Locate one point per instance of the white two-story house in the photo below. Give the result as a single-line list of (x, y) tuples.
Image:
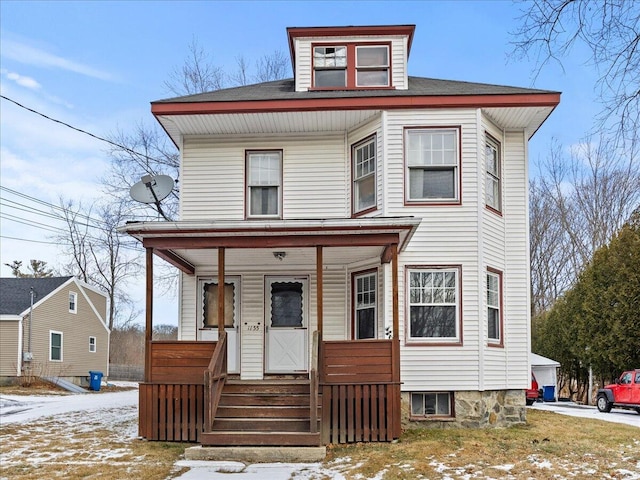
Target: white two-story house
[(371, 232)]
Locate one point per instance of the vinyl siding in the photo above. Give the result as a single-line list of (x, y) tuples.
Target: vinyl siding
[(9, 351), (314, 172), (54, 315), (99, 301)]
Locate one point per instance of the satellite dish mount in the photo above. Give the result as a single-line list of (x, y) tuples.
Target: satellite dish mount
[(152, 189)]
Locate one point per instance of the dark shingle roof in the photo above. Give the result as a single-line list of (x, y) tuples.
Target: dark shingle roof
[(284, 90), (15, 295)]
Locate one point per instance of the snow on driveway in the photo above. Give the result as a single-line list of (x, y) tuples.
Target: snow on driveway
[(627, 417)]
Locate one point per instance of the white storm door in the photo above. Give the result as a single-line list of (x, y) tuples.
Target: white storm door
[(286, 312), (209, 317)]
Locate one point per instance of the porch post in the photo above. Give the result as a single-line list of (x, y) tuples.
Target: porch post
[(319, 289), (396, 423), (220, 290), (394, 295), (148, 330)]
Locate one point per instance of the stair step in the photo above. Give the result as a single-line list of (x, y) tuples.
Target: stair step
[(273, 438), (273, 387), (271, 411), (261, 424), (255, 400)]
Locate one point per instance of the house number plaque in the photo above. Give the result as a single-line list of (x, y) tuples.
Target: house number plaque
[(252, 327)]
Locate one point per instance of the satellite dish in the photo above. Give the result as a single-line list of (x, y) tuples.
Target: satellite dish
[(152, 189)]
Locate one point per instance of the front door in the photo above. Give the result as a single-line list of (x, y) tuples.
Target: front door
[(286, 312)]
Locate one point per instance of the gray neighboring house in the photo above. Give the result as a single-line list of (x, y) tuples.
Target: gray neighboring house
[(68, 335)]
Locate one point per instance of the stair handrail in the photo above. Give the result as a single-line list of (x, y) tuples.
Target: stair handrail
[(313, 384), (214, 379)]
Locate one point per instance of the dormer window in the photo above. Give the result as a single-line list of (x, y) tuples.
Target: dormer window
[(351, 66)]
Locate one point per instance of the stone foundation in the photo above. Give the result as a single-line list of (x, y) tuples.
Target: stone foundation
[(488, 409)]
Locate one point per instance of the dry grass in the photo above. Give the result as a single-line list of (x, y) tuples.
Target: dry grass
[(104, 446), (550, 446)]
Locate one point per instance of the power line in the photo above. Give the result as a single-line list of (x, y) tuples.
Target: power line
[(97, 137)]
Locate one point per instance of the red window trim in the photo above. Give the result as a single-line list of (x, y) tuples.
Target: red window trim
[(355, 145), (491, 139), (247, 207), (407, 315), (493, 342), (353, 301), (351, 65), (437, 203)]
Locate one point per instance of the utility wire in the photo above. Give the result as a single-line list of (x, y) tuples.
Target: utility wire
[(97, 137)]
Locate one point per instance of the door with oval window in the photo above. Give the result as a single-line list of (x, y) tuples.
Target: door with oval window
[(286, 312)]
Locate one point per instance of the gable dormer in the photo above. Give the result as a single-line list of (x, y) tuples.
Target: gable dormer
[(350, 58)]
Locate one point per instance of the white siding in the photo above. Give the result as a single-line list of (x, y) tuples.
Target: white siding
[(188, 307), (213, 176)]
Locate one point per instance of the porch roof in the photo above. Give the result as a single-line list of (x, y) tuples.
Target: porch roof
[(184, 243)]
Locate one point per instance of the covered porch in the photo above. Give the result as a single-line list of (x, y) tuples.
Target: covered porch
[(241, 382)]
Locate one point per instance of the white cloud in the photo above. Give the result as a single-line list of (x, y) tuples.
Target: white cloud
[(29, 55), (22, 80)]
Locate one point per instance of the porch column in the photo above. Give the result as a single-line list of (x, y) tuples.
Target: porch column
[(148, 330), (394, 295), (396, 425), (319, 288), (220, 290)]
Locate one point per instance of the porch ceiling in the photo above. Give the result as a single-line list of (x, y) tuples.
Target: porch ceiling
[(191, 245)]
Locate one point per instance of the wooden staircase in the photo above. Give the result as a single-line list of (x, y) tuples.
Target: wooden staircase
[(263, 413)]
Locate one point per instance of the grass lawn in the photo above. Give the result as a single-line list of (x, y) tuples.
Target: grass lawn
[(550, 446)]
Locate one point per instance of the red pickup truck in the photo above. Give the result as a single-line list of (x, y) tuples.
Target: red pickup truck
[(625, 393)]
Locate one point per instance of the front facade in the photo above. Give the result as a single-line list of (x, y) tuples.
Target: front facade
[(63, 334), (358, 205)]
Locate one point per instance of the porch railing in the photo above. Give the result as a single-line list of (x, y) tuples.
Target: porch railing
[(313, 384), (172, 402), (360, 391), (214, 378)]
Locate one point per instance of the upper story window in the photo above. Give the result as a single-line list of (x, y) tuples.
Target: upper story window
[(55, 346), (493, 174), (433, 165), (364, 175), (264, 184), (92, 344), (73, 302), (351, 66)]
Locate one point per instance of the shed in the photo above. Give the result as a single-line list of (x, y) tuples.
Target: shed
[(545, 370)]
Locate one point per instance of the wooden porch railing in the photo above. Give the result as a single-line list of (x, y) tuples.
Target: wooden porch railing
[(214, 378), (172, 402), (313, 384), (360, 391)]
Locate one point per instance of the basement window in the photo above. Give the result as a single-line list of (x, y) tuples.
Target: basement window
[(431, 404)]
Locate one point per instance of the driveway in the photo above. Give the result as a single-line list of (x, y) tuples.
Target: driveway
[(627, 417)]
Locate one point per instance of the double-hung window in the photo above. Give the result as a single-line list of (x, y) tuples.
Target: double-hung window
[(55, 346), (364, 305), (494, 307), (432, 165), (350, 65), (73, 302), (330, 66), (364, 175), (493, 179), (264, 184), (372, 66), (434, 305), (92, 344)]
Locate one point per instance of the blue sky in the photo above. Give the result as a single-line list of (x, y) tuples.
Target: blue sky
[(97, 65)]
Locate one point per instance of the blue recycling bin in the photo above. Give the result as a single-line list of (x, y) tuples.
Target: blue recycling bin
[(95, 379), (549, 393)]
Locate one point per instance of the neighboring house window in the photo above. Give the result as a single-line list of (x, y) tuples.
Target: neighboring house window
[(264, 184), (364, 305), (434, 309), (432, 165), (351, 66), (73, 302), (494, 307), (92, 344), (494, 184), (431, 404), (55, 346), (364, 175)]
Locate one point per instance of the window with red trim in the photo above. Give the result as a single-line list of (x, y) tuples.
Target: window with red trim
[(351, 66)]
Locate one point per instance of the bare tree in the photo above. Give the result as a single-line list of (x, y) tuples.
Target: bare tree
[(274, 66), (99, 255), (582, 199), (197, 74), (549, 29)]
